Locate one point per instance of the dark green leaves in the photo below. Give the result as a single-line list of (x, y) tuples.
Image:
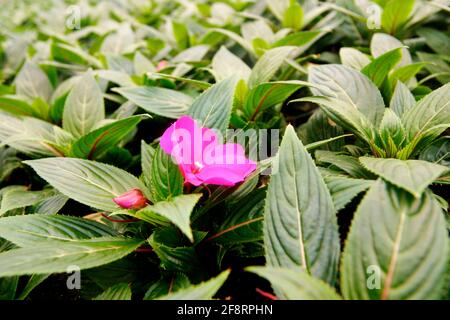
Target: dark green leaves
[(57, 257), (213, 107), (95, 143), (300, 224), (397, 247), (166, 178), (30, 230), (292, 284), (411, 175), (84, 107), (163, 102), (92, 183)]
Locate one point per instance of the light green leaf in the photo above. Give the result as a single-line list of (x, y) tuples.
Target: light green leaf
[(91, 183), (411, 175), (343, 189), (98, 141), (84, 106), (213, 107), (379, 68), (202, 291), (163, 102), (147, 154), (58, 256), (350, 87), (269, 94), (395, 14), (430, 116), (291, 284), (382, 43), (37, 229), (120, 291), (225, 64), (402, 99), (293, 16), (300, 223), (32, 82), (18, 106), (22, 198), (33, 282), (266, 67), (177, 210), (436, 40), (397, 248), (166, 178), (353, 58), (300, 39)]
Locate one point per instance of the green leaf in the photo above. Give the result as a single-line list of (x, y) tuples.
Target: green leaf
[(436, 40), (22, 198), (117, 77), (91, 183), (163, 102), (395, 14), (166, 178), (397, 247), (167, 285), (244, 221), (57, 257), (402, 99), (269, 94), (51, 205), (411, 175), (351, 87), (266, 67), (213, 107), (147, 154), (225, 64), (32, 82), (300, 223), (36, 229), (293, 16), (177, 210), (291, 284), (437, 152), (346, 163), (17, 106), (33, 282), (8, 287), (175, 252), (97, 142), (353, 58), (406, 73), (382, 43), (430, 116), (343, 189), (84, 106), (120, 291), (301, 38), (202, 291), (379, 68)]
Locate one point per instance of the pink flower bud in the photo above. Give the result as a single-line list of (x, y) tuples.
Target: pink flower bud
[(161, 65), (133, 199)]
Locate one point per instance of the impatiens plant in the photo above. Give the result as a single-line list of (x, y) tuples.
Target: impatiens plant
[(224, 149)]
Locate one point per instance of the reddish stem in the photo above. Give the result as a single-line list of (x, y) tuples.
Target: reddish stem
[(266, 294), (145, 250)]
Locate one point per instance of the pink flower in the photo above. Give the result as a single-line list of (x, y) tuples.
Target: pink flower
[(133, 199), (200, 157), (161, 65)]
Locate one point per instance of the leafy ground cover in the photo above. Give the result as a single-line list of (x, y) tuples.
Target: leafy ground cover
[(333, 116)]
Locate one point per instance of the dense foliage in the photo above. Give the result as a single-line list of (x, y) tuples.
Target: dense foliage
[(353, 97)]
